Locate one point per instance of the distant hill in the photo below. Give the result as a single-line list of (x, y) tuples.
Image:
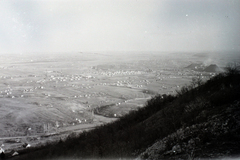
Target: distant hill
[(198, 122), (202, 68), (212, 68), (201, 55), (196, 67)]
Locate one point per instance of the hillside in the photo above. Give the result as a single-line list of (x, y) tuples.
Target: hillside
[(201, 121)]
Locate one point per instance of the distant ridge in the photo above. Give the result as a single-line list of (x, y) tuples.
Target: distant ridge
[(201, 55), (202, 68), (196, 67)]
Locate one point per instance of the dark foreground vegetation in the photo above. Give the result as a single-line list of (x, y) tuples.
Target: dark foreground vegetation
[(194, 105)]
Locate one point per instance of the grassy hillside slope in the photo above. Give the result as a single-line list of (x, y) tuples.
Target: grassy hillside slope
[(202, 116)]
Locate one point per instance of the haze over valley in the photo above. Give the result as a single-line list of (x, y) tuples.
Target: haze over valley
[(57, 94)]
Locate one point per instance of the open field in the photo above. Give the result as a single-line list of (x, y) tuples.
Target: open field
[(56, 94)]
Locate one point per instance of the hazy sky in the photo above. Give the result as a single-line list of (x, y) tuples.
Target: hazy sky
[(119, 25)]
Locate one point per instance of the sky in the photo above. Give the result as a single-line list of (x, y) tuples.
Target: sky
[(119, 25)]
